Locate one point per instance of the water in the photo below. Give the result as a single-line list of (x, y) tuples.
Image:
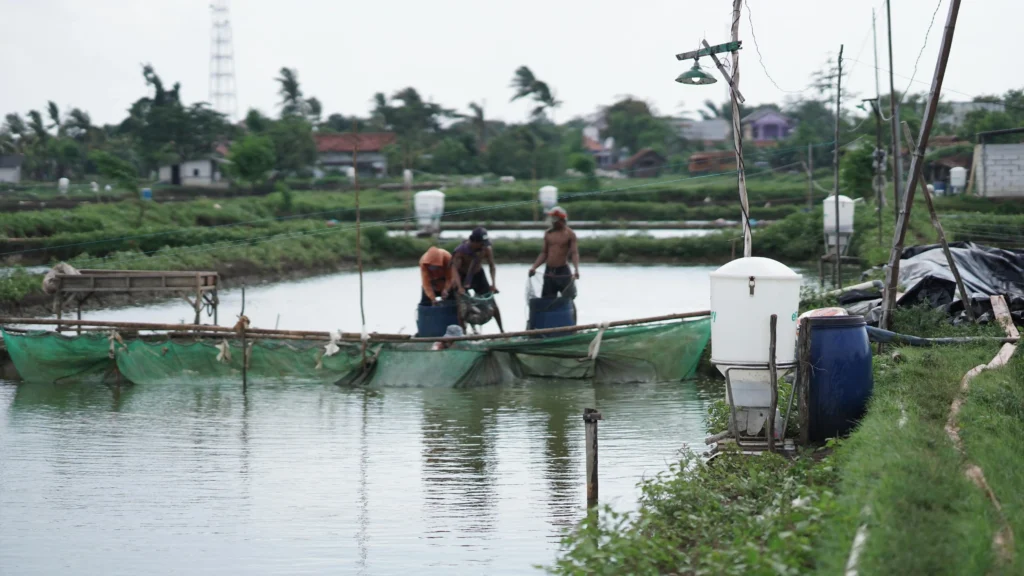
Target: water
[(305, 479), (390, 297)]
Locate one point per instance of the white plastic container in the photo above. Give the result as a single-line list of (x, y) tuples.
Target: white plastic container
[(429, 207), (845, 214), (958, 177), (744, 295), (548, 196), (62, 185)]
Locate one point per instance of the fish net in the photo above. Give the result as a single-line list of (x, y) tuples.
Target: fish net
[(663, 352)]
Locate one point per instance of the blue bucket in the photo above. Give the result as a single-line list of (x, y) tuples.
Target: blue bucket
[(841, 377), (433, 321), (551, 313)]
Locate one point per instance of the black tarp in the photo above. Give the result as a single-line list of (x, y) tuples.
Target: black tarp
[(926, 278)]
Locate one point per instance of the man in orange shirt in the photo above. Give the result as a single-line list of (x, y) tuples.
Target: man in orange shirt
[(437, 276)]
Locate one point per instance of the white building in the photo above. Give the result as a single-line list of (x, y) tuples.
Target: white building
[(205, 173), (10, 168)]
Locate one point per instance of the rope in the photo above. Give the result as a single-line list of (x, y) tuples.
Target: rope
[(595, 345)]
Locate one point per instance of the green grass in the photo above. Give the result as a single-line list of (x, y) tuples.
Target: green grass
[(898, 472), (992, 427), (739, 515)]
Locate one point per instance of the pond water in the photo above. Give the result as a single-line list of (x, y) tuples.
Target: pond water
[(199, 478)]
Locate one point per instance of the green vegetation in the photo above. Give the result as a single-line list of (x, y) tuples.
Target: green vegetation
[(898, 474)]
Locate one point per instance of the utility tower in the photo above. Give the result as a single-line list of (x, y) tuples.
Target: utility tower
[(222, 62)]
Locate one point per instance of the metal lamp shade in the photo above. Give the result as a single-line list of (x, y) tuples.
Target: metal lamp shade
[(696, 77)]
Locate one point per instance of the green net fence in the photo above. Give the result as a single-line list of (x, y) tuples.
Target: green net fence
[(664, 352)]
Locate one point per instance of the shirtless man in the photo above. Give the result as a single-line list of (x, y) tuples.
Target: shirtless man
[(467, 263), (559, 245)]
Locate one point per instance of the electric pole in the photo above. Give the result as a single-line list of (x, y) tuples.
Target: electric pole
[(894, 120), (835, 167), (737, 129)]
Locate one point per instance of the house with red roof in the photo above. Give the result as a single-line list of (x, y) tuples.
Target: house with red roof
[(335, 151)]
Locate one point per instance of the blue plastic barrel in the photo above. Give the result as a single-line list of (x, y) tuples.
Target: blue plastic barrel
[(433, 321), (146, 194), (551, 313), (841, 377)]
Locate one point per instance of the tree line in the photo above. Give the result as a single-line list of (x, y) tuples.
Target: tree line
[(160, 129)]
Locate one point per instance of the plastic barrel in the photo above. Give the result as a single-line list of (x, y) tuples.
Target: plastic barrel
[(433, 321), (551, 313), (841, 377)]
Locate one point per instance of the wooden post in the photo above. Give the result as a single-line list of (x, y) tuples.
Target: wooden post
[(892, 121), (355, 156), (938, 229), (774, 387), (359, 250), (810, 177), (590, 418), (802, 385), (836, 266), (889, 296), (245, 356), (199, 299), (737, 130)]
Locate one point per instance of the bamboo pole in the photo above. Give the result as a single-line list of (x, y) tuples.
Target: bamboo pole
[(222, 331), (905, 207), (938, 229), (737, 130), (837, 271)]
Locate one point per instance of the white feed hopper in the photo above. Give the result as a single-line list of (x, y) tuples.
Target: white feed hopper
[(429, 207), (744, 295), (62, 185), (407, 177), (548, 196), (846, 209), (845, 214), (958, 178)]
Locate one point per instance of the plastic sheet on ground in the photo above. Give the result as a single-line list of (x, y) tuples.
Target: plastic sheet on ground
[(926, 278)]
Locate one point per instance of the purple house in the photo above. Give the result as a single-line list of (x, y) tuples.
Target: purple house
[(765, 125)]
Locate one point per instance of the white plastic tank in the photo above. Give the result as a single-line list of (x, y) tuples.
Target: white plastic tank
[(744, 295), (548, 196), (62, 185), (407, 177), (429, 207), (94, 186), (845, 214), (958, 177)]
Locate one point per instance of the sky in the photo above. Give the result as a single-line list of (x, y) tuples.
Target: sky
[(89, 53)]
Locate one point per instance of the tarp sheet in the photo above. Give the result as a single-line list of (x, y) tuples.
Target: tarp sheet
[(926, 278)]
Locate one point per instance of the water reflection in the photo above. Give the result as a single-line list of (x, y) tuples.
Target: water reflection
[(200, 478)]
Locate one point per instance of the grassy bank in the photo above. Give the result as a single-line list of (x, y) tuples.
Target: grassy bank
[(898, 475)]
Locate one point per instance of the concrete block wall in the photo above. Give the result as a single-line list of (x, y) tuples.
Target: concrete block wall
[(1001, 171)]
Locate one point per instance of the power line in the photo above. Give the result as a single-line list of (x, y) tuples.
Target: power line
[(760, 57), (921, 52)]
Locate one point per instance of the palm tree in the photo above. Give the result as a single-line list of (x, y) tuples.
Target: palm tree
[(36, 124), (79, 124), (526, 84), (54, 113), (480, 123), (290, 92)]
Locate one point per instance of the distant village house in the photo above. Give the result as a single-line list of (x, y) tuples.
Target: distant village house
[(644, 164), (204, 172), (10, 168), (335, 151), (766, 125)]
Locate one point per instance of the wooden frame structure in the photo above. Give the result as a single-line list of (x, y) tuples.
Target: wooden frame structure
[(199, 289)]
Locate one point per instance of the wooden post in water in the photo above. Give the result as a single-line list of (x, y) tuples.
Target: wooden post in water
[(242, 321), (359, 235), (774, 387), (590, 418)]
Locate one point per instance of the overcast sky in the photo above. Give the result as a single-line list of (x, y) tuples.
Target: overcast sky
[(88, 53)]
